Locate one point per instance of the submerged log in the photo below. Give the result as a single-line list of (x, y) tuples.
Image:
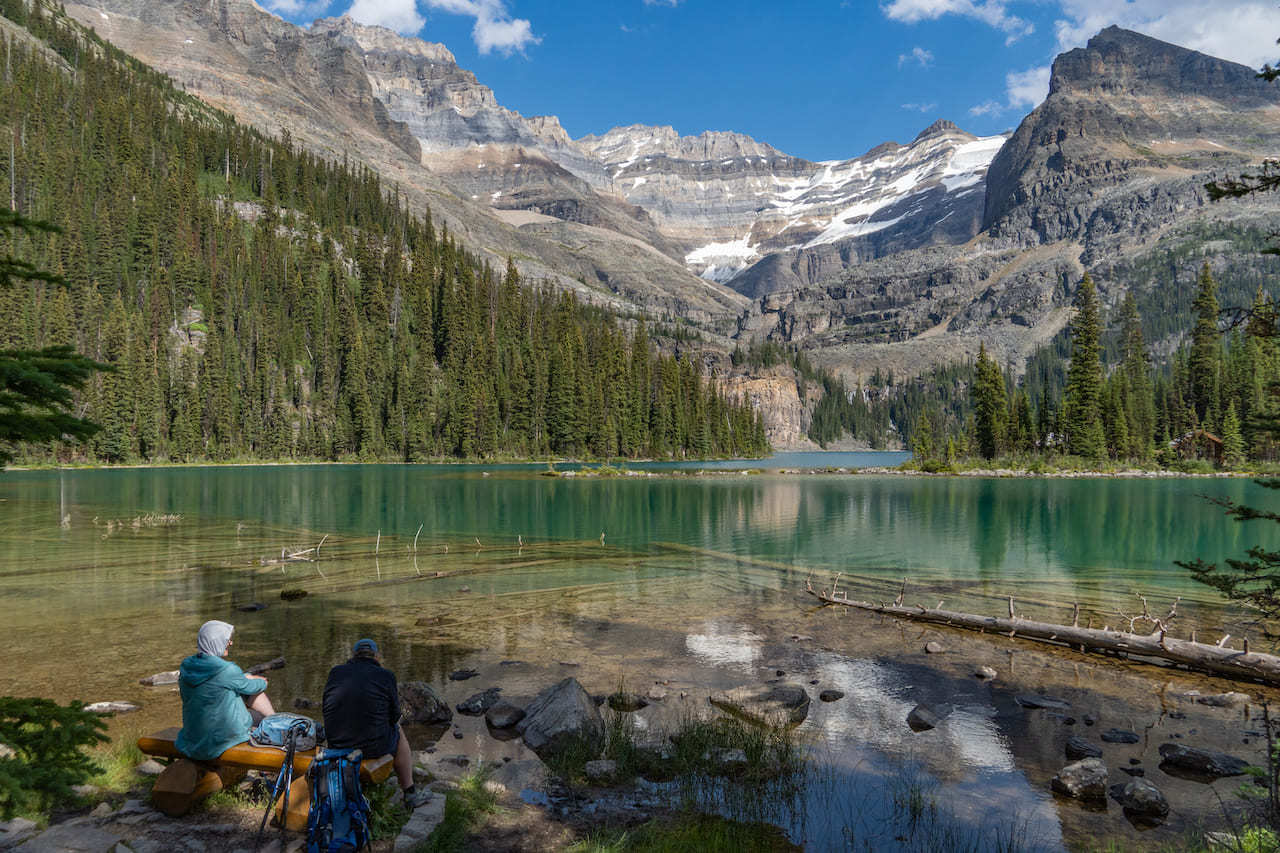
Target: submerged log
[(1217, 659)]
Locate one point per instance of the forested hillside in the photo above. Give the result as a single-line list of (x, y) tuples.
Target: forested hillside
[(259, 302)]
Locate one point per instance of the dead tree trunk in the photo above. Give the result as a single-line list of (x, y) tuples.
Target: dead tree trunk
[(1219, 659)]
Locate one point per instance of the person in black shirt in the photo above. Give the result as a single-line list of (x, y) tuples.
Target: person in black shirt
[(362, 711)]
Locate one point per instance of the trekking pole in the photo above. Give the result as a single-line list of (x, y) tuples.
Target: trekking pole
[(285, 776)]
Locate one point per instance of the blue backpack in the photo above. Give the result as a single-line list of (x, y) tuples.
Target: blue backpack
[(339, 819), (278, 729)]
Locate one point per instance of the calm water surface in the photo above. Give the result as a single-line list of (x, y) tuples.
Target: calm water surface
[(104, 576)]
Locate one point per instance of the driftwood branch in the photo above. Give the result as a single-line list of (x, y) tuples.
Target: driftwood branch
[(1219, 658)]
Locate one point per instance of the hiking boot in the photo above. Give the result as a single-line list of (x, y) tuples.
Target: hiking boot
[(416, 797)]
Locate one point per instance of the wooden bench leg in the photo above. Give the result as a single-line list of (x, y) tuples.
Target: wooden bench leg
[(299, 805), (183, 784)]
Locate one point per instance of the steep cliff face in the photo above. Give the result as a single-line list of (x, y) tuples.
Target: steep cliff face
[(331, 88), (1130, 132), (444, 106), (734, 202)]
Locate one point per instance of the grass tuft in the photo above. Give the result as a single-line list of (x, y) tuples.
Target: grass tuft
[(690, 831), (464, 810)]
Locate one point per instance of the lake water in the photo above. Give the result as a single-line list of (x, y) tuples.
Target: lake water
[(695, 580)]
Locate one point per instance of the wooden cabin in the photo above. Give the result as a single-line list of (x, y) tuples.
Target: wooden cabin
[(1200, 444)]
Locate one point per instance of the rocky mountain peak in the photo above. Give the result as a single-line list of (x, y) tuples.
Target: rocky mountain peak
[(1125, 110), (1122, 62), (370, 39), (940, 127), (638, 140)]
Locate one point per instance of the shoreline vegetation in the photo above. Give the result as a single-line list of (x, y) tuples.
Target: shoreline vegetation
[(1002, 467)]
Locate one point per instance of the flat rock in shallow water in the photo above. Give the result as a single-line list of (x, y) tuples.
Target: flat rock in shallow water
[(111, 707), (478, 703), (159, 678), (1202, 762), (986, 673), (924, 717), (1078, 748), (831, 695), (1035, 700), (779, 705), (1120, 736), (462, 674), (504, 715), (1084, 780)]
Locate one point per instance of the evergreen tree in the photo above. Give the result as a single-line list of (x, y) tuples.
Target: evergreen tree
[(922, 445), (1082, 403), (1138, 393), (989, 404), (1202, 366), (1232, 439)]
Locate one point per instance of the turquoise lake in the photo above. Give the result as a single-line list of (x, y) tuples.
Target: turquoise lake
[(663, 573)]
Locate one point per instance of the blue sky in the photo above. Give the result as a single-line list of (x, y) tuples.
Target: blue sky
[(820, 79)]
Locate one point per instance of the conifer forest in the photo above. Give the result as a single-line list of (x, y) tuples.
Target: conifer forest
[(258, 302)]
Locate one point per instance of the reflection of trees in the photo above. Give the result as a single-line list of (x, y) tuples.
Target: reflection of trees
[(990, 527), (1101, 531)]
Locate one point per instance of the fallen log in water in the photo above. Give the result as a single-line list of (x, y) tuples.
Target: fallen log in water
[(1218, 659)]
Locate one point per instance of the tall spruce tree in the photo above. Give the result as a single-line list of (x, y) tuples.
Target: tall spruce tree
[(1135, 367), (1206, 346), (989, 404), (1082, 398)]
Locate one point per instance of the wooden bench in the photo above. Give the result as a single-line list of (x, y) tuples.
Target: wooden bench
[(185, 782)]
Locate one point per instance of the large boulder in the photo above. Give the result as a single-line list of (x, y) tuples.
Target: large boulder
[(558, 714), (1084, 780), (1142, 799), (1200, 762), (778, 705), (420, 704)]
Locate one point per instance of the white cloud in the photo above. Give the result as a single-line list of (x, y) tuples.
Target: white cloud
[(917, 54), (994, 13), (671, 3), (920, 108), (1023, 89), (1027, 88), (399, 15), (1243, 31), (495, 29)]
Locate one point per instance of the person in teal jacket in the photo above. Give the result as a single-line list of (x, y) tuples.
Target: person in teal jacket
[(220, 703)]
